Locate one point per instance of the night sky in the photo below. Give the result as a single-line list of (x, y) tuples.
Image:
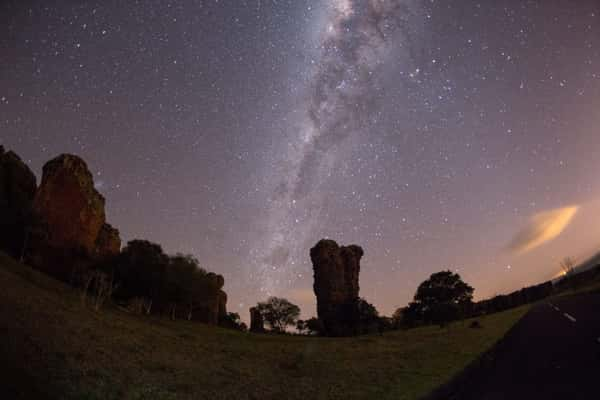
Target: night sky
[(435, 134)]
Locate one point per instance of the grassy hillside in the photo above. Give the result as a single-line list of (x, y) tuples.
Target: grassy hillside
[(52, 347)]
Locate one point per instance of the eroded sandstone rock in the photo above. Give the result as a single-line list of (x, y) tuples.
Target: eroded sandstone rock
[(212, 308), (257, 324), (71, 217), (69, 204), (222, 310), (108, 241), (336, 271)]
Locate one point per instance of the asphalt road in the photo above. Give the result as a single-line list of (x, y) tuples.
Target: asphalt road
[(552, 353)]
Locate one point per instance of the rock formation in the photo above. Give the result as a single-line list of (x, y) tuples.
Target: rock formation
[(17, 190), (213, 307), (71, 214), (222, 308), (108, 241), (68, 202), (257, 324), (336, 271)]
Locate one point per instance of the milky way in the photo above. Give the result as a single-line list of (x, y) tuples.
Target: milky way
[(342, 100), (434, 134)]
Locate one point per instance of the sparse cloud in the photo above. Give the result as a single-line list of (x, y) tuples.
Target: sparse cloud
[(543, 227)]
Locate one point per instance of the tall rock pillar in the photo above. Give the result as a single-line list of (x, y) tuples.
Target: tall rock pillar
[(336, 271)]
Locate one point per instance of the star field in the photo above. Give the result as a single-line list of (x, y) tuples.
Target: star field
[(428, 132)]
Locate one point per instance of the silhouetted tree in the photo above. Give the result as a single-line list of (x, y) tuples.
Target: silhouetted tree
[(567, 265), (314, 326), (368, 316), (187, 285), (385, 324), (301, 326), (279, 313), (233, 321), (398, 318), (311, 326), (141, 269), (441, 298), (412, 315), (514, 299), (153, 281)]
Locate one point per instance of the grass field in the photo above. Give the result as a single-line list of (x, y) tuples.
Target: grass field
[(53, 347)]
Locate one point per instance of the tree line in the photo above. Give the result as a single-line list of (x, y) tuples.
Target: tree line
[(145, 280), (442, 298)]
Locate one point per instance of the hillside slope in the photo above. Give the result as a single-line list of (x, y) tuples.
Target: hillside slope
[(53, 347)]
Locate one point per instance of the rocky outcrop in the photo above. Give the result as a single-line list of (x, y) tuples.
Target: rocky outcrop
[(336, 271), (219, 308), (70, 205), (108, 241), (213, 307), (71, 216), (222, 301), (17, 190), (257, 324)]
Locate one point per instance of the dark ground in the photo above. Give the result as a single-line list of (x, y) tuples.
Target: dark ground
[(54, 347), (552, 353)]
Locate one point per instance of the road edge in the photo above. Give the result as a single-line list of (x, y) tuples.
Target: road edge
[(453, 389)]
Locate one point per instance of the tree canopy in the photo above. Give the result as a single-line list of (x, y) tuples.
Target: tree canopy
[(279, 313), (174, 284), (233, 320), (441, 298)]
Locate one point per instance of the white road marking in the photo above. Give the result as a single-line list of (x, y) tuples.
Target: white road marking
[(570, 317), (553, 306)]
